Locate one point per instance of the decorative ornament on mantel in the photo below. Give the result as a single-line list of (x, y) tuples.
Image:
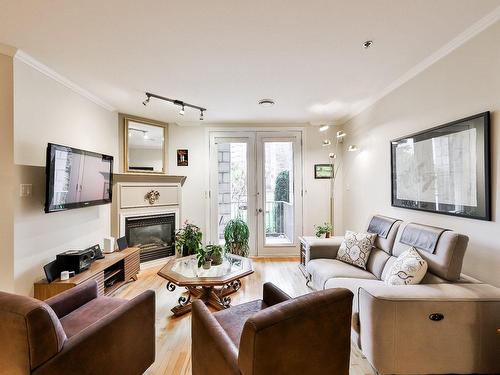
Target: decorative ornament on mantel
[(152, 196)]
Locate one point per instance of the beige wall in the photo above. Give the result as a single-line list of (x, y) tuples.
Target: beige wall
[(6, 172), (464, 83), (46, 111), (195, 204)]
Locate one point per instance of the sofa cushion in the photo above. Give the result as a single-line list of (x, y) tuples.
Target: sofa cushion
[(446, 261), (322, 270), (353, 285), (408, 269), (90, 313), (233, 320), (376, 262), (356, 248)]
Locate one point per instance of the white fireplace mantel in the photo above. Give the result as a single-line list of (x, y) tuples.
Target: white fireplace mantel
[(129, 199)]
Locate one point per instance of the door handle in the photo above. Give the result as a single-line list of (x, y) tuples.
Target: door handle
[(259, 210)]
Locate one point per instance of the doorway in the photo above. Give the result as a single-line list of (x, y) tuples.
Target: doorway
[(257, 176)]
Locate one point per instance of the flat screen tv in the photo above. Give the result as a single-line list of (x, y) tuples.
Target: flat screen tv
[(76, 178)]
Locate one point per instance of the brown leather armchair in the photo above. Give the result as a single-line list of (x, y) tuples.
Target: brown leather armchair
[(276, 335), (77, 332)]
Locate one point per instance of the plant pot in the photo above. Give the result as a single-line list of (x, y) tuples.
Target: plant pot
[(327, 235), (216, 260), (207, 264)]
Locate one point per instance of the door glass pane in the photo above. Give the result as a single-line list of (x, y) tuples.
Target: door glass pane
[(232, 184), (278, 185)]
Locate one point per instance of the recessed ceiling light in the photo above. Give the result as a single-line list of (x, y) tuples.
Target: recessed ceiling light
[(266, 102), (367, 44), (323, 128)]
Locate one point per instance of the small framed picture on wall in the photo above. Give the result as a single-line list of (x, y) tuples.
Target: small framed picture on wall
[(182, 158), (323, 171)]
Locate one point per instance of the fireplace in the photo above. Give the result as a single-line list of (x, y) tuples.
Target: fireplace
[(153, 234)]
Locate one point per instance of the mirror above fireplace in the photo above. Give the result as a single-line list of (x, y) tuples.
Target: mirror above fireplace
[(144, 145)]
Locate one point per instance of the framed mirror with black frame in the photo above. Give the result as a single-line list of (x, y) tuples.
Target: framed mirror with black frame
[(445, 169)]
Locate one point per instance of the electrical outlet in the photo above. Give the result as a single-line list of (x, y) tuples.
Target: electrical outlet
[(25, 190)]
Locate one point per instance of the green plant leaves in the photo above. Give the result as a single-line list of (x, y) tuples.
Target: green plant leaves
[(236, 235)]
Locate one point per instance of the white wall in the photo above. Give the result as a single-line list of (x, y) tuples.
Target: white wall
[(6, 171), (195, 204), (464, 83), (46, 111)]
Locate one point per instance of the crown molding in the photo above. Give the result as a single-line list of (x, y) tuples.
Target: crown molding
[(7, 50), (445, 50), (35, 64)]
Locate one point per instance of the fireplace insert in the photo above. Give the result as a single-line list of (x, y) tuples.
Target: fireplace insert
[(153, 234)]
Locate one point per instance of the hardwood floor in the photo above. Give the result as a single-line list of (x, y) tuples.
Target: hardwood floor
[(173, 345)]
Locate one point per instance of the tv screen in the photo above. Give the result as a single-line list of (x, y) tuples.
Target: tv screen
[(76, 178)]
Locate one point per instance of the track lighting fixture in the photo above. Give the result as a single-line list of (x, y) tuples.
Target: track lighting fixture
[(180, 103), (352, 148), (326, 142), (324, 128)]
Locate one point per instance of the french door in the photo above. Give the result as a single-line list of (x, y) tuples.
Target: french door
[(257, 176)]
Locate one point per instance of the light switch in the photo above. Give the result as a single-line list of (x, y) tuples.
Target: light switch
[(25, 190)]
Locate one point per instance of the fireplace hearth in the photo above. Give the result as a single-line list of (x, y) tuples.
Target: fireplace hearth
[(153, 234)]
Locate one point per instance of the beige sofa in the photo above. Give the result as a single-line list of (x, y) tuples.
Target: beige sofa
[(450, 323)]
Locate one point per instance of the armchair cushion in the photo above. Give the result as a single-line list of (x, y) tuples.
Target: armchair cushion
[(122, 342), (233, 320), (73, 298), (90, 313)]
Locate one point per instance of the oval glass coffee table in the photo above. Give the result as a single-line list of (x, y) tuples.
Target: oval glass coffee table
[(212, 286)]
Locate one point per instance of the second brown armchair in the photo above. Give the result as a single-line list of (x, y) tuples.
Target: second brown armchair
[(276, 335)]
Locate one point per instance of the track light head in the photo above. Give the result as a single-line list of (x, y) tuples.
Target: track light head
[(201, 115), (145, 102), (326, 142), (324, 128), (181, 112)]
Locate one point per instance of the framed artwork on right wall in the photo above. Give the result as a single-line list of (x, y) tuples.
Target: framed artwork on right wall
[(445, 169)]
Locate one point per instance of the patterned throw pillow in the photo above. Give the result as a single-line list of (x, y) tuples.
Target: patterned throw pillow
[(356, 248), (408, 269)]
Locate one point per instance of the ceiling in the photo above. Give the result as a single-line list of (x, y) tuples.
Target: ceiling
[(225, 55)]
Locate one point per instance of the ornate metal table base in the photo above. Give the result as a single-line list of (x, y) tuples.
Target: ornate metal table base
[(215, 296)]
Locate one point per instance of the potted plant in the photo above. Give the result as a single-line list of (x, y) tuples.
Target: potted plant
[(188, 239), (325, 229), (236, 236), (203, 257), (216, 253)]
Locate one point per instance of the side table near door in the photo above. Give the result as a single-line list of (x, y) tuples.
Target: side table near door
[(304, 248)]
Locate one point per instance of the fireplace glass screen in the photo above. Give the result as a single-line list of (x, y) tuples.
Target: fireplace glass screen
[(154, 235)]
